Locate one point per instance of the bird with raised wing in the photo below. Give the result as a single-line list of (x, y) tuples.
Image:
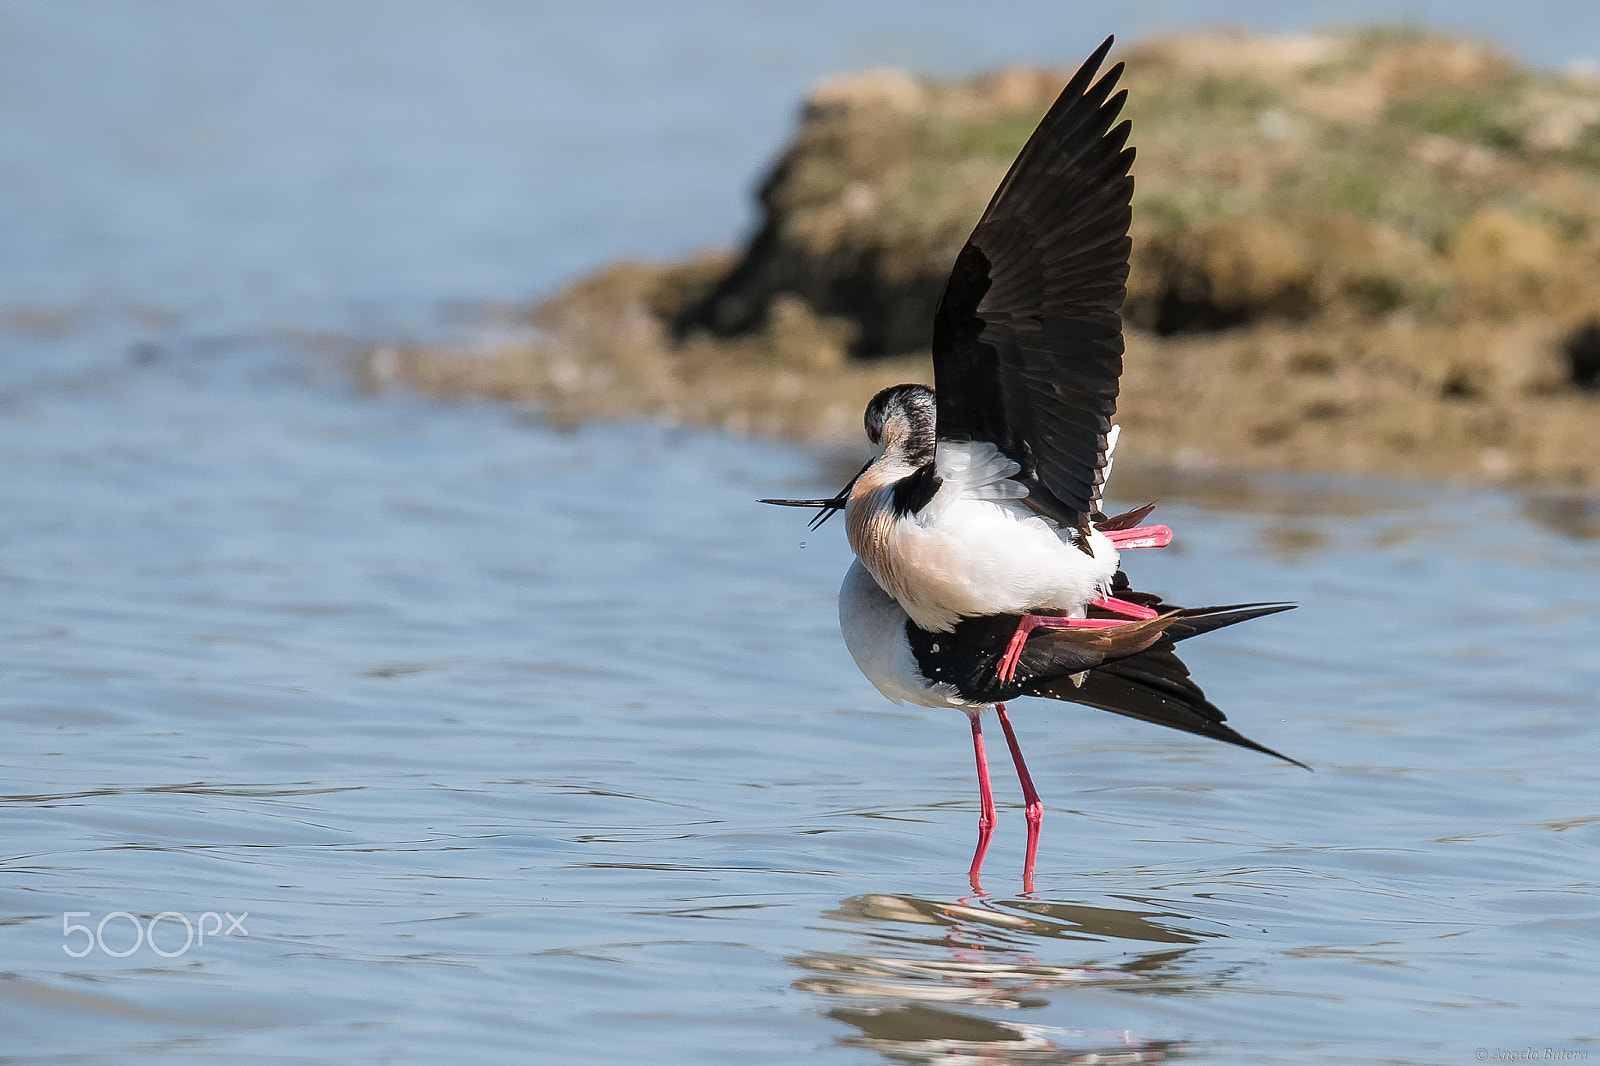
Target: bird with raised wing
[(985, 568), (982, 495)]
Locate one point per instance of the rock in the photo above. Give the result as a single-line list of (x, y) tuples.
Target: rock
[(1357, 251), (1507, 265), (1222, 273)]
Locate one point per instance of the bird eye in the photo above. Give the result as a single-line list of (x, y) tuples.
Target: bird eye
[(872, 434)]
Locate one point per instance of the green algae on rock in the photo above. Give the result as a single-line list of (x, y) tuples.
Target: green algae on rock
[(1361, 251)]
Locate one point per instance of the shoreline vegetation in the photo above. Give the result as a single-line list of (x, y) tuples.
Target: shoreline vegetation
[(1370, 251)]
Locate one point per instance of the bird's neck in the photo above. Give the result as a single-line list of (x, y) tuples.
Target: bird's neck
[(869, 515)]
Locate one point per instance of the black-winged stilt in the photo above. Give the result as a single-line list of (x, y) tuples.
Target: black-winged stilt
[(985, 569)]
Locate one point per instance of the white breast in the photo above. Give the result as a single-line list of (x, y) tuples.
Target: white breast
[(976, 549), (874, 628)]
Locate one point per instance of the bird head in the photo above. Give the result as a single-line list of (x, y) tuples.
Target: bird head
[(901, 419)]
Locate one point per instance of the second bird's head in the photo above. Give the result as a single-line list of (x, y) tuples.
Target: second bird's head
[(901, 419)]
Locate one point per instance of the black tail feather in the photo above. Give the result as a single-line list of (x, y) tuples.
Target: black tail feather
[(1155, 686), (1198, 620), (1135, 672)]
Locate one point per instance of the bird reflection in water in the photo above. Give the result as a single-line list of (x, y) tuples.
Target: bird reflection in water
[(984, 955), (917, 1034)]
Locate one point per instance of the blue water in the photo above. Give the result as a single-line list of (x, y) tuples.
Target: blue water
[(462, 736)]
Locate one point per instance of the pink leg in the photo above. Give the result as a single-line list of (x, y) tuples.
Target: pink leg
[(1034, 809), (1123, 607), (986, 811), (1006, 669), (1139, 537)]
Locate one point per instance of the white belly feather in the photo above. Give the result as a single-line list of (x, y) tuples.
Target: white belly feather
[(991, 557), (874, 629)]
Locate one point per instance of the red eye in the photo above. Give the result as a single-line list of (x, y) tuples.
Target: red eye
[(872, 434)]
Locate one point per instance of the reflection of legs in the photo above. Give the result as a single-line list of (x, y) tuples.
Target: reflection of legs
[(986, 798), (1034, 809)]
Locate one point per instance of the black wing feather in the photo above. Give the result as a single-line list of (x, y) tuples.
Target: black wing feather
[(1027, 345), (1154, 686), (1151, 684)]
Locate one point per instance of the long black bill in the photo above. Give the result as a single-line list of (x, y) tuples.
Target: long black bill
[(826, 508)]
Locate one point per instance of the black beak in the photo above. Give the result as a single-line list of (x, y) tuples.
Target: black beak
[(829, 507)]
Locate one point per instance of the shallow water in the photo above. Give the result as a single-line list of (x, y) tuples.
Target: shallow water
[(484, 740), (545, 745)]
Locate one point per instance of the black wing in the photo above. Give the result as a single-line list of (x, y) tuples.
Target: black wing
[(1132, 671), (1154, 685), (1027, 340)]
